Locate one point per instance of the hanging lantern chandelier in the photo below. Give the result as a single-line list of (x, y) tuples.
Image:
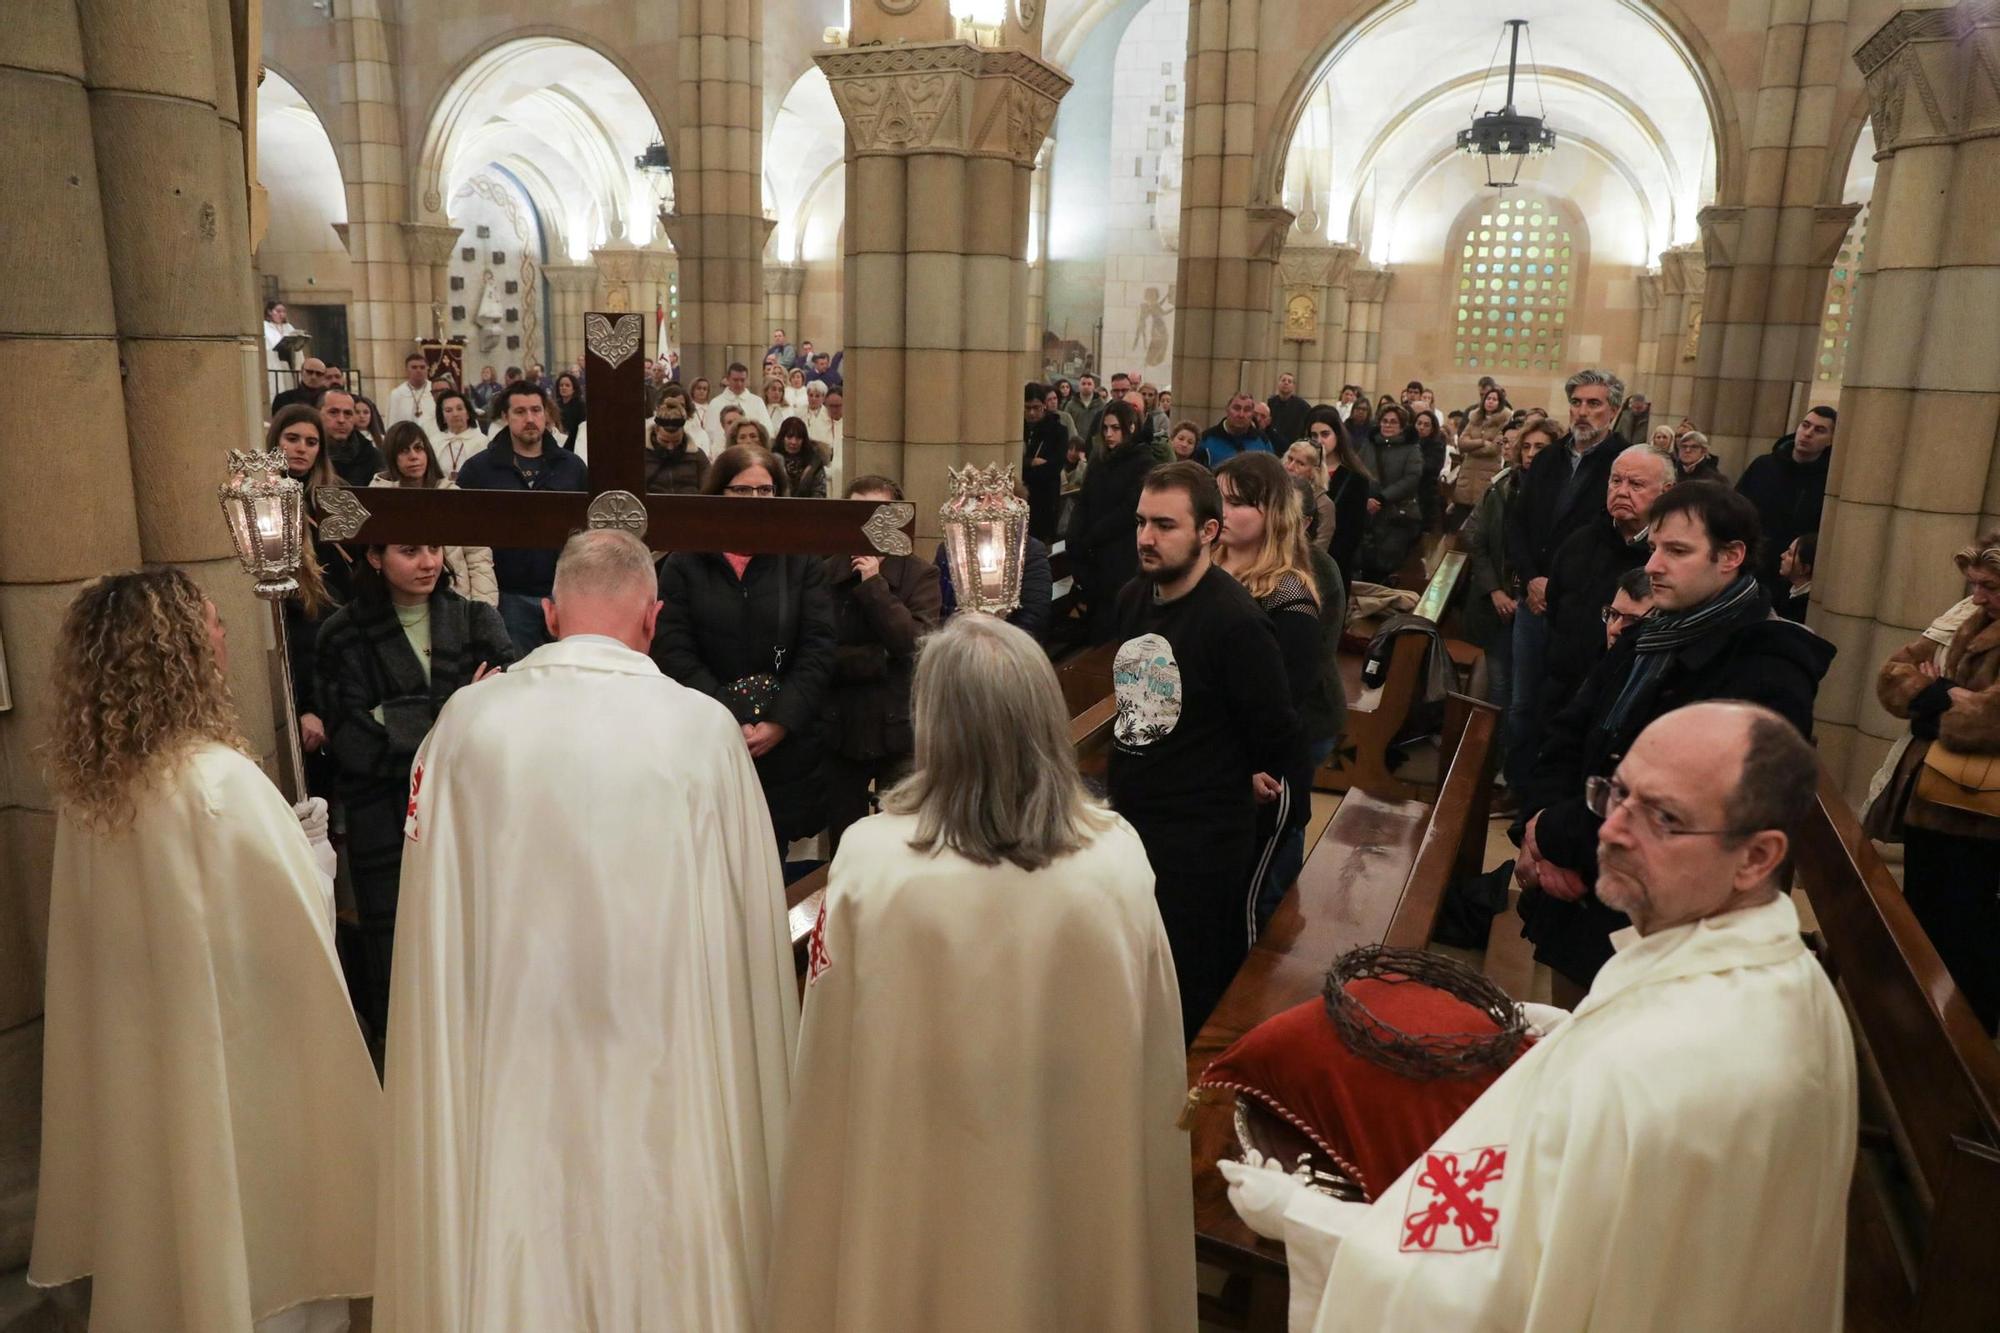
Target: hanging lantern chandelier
[(1507, 136)]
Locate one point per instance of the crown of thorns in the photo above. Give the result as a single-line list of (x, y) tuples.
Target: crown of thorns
[(1426, 1055)]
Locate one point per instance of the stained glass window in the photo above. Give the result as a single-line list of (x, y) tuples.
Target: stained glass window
[(1843, 295), (1506, 323)]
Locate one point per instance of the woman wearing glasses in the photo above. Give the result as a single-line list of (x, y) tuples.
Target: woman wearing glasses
[(756, 632)]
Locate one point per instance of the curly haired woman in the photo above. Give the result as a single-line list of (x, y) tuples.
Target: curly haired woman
[(208, 1107)]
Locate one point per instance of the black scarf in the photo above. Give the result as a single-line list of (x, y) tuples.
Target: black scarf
[(1743, 602)]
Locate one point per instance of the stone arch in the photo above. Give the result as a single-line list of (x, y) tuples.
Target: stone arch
[(300, 168), (299, 89), (804, 150), (1664, 16), (459, 97)]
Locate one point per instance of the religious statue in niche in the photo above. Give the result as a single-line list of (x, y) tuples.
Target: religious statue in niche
[(1155, 329), (1691, 347), (1301, 316), (489, 314)]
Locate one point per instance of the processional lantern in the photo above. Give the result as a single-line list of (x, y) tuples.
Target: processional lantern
[(985, 529), (1506, 137), (265, 511)]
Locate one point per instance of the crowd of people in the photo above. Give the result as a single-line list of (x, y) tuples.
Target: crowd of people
[(1619, 587)]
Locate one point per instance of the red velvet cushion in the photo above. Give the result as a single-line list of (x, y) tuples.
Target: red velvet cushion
[(1371, 1121)]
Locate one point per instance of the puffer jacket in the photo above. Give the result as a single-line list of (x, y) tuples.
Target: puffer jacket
[(674, 471), (1479, 452), (805, 471)]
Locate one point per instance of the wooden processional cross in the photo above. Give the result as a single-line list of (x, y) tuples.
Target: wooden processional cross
[(616, 407)]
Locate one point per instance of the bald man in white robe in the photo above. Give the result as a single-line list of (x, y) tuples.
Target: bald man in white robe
[(1676, 1153), (593, 1006)]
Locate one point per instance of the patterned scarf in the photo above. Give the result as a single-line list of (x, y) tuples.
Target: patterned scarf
[(1743, 602)]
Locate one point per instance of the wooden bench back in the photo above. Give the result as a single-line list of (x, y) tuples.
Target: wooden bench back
[(1927, 1063)]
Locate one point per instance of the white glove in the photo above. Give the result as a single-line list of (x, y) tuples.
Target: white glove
[(313, 820), (1259, 1191), (1543, 1018)]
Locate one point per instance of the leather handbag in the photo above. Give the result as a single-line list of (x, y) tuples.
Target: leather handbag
[(1960, 781)]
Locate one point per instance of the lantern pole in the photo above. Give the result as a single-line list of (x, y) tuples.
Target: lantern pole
[(265, 511)]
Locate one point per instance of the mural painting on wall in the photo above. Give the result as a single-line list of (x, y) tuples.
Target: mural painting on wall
[(500, 259)]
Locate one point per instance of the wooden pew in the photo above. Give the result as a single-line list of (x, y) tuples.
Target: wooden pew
[(1922, 1231), (1375, 716), (1378, 874)]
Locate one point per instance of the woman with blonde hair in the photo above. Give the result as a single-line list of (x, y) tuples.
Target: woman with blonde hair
[(990, 971), (1263, 545), (1946, 683), (208, 1108)]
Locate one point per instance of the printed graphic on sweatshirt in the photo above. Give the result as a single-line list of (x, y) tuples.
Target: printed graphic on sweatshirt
[(1147, 682)]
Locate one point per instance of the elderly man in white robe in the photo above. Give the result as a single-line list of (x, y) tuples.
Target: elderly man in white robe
[(593, 1004), (1673, 1155)]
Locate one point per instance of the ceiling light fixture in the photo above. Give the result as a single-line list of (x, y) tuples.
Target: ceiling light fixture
[(1507, 133)]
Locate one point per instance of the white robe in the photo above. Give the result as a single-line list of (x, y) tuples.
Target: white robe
[(1676, 1156), (209, 1111), (592, 1012), (990, 1072)]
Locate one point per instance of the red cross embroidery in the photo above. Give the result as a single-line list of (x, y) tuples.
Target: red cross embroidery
[(818, 958), (410, 811), (1453, 1196)]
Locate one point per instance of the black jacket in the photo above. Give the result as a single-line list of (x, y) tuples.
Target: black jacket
[(1708, 469), (1583, 574), (1771, 662), (364, 661), (356, 460), (1788, 495), (715, 628), (805, 471), (674, 471), (1288, 420), (1103, 536), (1350, 520), (528, 571), (876, 625), (1548, 508)]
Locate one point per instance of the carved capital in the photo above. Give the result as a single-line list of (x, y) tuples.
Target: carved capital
[(1368, 285), (1933, 75), (430, 242), (944, 97), (1317, 265), (340, 229), (571, 277), (1831, 223), (1649, 291), (1682, 270), (1269, 225), (784, 279), (619, 266), (1721, 229)]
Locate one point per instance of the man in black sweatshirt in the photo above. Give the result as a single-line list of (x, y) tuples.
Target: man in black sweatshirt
[(522, 458), (1205, 725)]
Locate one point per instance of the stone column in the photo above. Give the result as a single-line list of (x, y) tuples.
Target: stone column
[(1905, 494), (430, 246), (1035, 327), (572, 290), (782, 285), (1767, 258), (1319, 276), (941, 143), (1683, 277), (1367, 288), (1229, 236), (718, 225), (388, 311), (128, 228), (1649, 335)]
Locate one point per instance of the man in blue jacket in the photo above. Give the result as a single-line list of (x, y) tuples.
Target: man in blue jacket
[(520, 459), (1235, 434)]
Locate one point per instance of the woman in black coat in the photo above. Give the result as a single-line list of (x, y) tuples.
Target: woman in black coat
[(1347, 483), (387, 661), (882, 606), (1102, 543), (756, 632)]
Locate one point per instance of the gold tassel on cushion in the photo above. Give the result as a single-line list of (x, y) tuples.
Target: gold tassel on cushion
[(1196, 1096)]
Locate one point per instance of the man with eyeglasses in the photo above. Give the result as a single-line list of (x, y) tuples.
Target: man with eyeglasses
[(1677, 1155), (1630, 604), (1585, 569), (1712, 636), (312, 378)]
